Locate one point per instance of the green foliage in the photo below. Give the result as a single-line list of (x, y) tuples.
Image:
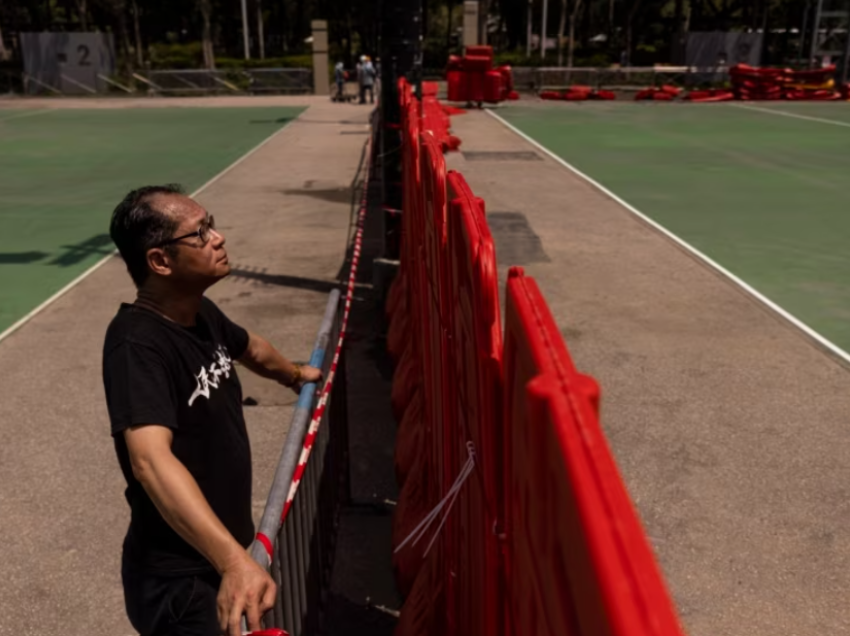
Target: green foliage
[(290, 61), (580, 58), (175, 56), (190, 55)]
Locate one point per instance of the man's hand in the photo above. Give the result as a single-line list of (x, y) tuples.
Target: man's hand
[(245, 589), (308, 374)]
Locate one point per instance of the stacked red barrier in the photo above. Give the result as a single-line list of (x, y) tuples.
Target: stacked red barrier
[(501, 439), (816, 84), (752, 83), (472, 78), (757, 83)]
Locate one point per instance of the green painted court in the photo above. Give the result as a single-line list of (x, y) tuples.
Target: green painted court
[(62, 171), (761, 189)]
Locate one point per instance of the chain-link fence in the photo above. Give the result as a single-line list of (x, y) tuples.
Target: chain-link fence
[(252, 81), (616, 79), (184, 82)]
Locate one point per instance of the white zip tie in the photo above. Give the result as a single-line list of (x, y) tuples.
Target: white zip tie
[(420, 530)]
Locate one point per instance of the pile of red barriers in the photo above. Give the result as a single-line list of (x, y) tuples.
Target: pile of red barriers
[(751, 83), (472, 78)]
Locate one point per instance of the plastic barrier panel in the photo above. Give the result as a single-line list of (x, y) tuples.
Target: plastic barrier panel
[(476, 358), (578, 561), (425, 482), (457, 86), (493, 87)]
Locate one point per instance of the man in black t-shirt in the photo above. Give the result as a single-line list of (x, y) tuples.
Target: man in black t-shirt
[(175, 404)]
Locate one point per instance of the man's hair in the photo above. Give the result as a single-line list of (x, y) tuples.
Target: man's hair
[(138, 226)]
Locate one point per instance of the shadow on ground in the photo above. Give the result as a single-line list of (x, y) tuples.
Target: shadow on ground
[(282, 280)]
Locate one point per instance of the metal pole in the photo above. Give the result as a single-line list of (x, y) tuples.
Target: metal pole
[(245, 29), (815, 33), (270, 522), (528, 29), (543, 30), (846, 52), (260, 30), (803, 34)]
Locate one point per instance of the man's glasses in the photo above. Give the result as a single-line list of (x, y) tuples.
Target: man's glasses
[(202, 233)]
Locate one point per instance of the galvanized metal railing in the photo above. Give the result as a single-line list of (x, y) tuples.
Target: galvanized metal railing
[(299, 552)]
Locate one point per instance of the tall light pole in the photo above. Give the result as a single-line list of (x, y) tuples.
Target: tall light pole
[(543, 30), (245, 29)]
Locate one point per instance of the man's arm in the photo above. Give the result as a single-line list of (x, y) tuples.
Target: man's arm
[(245, 586), (264, 360)]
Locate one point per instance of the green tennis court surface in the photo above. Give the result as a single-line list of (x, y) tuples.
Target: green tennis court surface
[(63, 171), (764, 195)]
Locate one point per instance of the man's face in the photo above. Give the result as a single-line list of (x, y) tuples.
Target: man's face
[(195, 263)]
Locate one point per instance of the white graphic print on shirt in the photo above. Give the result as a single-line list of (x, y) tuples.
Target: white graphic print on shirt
[(207, 378)]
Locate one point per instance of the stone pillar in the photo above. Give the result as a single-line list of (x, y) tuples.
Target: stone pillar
[(470, 23), (321, 74)]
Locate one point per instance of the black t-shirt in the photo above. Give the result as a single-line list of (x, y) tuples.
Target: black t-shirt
[(158, 372)]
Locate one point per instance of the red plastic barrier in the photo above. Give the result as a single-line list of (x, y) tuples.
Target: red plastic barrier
[(407, 317), (472, 78), (813, 76), (430, 478), (475, 83), (479, 51), (542, 538), (603, 95), (457, 86), (493, 87), (507, 81), (550, 95), (430, 89), (578, 562), (475, 358)]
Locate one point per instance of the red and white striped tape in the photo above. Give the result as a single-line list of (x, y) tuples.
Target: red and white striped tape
[(313, 429)]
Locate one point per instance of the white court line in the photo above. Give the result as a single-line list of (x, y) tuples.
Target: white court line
[(28, 113), (783, 113), (832, 347), (20, 323)]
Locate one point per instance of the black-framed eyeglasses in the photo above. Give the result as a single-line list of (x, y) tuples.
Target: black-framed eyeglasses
[(202, 233)]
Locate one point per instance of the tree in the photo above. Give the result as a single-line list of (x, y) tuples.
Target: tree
[(82, 12), (561, 24), (139, 59), (206, 42), (573, 15), (4, 54), (629, 23)]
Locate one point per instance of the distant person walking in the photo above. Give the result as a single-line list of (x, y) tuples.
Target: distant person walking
[(367, 80), (339, 78), (175, 405)]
